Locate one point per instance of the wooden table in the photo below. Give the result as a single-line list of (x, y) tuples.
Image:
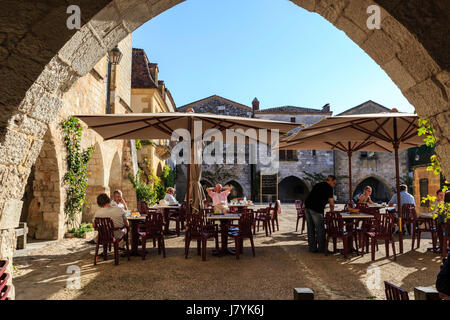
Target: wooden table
[(166, 216), (225, 220), (240, 206), (349, 224), (134, 226)]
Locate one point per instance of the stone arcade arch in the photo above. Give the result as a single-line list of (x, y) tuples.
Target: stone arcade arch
[(115, 174), (381, 192), (410, 46), (292, 188), (96, 183), (236, 191), (44, 212)]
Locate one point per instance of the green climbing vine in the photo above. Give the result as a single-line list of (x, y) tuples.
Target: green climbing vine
[(441, 210), (77, 164)]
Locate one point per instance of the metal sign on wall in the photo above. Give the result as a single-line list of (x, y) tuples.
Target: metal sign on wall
[(268, 186)]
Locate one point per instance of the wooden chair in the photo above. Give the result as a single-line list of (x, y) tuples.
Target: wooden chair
[(263, 215), (382, 230), (105, 229), (153, 230), (300, 207), (394, 292), (335, 229), (198, 229), (4, 289), (244, 231)]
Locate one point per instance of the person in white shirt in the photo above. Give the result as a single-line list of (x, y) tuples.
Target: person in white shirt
[(169, 196), (118, 200), (117, 215)]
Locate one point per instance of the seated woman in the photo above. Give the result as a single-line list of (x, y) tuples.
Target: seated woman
[(219, 196), (365, 197), (170, 196)]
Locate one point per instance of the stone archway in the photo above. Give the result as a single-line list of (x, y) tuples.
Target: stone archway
[(292, 188), (380, 190), (115, 174), (236, 191), (411, 47), (44, 213)]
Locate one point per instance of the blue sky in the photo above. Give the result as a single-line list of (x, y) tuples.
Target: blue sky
[(270, 49)]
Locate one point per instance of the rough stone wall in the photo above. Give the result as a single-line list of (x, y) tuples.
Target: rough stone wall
[(411, 47), (383, 169), (434, 184)]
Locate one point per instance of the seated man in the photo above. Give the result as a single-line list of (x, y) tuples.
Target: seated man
[(365, 197), (405, 197), (116, 214), (118, 200), (170, 196), (219, 196)]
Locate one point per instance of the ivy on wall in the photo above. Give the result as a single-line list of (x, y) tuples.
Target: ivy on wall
[(77, 164)]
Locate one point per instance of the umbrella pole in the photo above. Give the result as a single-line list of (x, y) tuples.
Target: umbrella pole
[(188, 190), (350, 187), (397, 182)]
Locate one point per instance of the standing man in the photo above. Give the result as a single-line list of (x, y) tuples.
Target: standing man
[(320, 195), (219, 196)]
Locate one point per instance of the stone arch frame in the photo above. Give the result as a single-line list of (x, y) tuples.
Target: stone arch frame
[(408, 48), (389, 186), (96, 183), (305, 185), (115, 174)]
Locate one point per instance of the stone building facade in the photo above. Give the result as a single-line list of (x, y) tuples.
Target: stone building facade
[(149, 94), (376, 169), (45, 192), (291, 177)]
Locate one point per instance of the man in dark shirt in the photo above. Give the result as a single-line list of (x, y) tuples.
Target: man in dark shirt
[(320, 195)]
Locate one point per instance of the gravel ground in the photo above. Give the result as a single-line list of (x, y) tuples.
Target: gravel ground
[(282, 263)]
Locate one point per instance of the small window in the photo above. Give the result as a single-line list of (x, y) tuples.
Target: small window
[(313, 152), (293, 119), (282, 155)]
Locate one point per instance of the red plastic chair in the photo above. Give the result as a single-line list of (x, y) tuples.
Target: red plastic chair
[(4, 289), (394, 292), (300, 207), (383, 229), (244, 231), (420, 225), (407, 209), (335, 229), (105, 228), (263, 215), (153, 230), (179, 216), (198, 229)]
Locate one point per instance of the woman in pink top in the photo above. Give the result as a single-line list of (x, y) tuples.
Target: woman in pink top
[(219, 196)]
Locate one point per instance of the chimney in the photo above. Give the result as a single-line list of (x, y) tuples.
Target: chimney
[(154, 71), (326, 108), (255, 105)]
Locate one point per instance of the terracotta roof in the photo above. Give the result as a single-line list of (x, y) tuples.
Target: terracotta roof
[(140, 71)]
